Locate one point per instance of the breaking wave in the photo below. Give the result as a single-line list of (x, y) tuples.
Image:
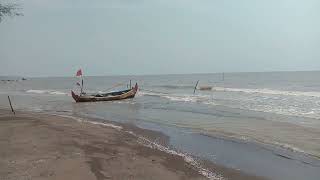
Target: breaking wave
[(264, 100), (251, 91), (176, 86), (78, 119), (178, 97), (268, 91), (51, 92)]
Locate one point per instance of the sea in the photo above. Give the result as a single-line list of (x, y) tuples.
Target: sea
[(262, 123)]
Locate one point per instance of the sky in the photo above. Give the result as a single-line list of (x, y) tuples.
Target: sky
[(134, 37)]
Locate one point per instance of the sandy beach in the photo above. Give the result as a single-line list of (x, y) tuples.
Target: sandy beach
[(38, 146)]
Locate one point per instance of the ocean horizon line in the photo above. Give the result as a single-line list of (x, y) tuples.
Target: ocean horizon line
[(168, 74)]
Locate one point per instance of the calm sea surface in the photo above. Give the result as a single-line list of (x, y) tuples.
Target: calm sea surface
[(262, 123)]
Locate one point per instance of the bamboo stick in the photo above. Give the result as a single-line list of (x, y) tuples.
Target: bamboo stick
[(11, 105), (194, 91)]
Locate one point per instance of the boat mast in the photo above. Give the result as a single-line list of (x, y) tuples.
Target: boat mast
[(81, 84), (79, 74)]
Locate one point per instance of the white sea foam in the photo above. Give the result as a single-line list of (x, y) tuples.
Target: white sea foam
[(251, 91), (91, 122), (150, 93), (267, 101), (187, 158), (268, 91), (179, 97), (52, 92), (36, 91), (271, 143), (289, 147), (289, 111), (105, 124), (58, 93)]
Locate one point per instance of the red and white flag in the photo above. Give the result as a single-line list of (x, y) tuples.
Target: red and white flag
[(79, 73)]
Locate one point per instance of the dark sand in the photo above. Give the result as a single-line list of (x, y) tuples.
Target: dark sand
[(37, 146)]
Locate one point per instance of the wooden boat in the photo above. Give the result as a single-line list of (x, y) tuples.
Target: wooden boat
[(112, 96), (202, 88)]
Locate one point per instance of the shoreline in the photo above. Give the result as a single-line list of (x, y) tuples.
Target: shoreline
[(91, 149), (284, 150), (253, 154)]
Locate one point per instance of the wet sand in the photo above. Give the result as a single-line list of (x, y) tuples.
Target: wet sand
[(38, 146)]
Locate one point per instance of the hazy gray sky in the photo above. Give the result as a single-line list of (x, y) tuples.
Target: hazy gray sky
[(111, 37)]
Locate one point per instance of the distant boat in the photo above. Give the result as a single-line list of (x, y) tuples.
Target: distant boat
[(112, 96), (202, 88), (205, 88)]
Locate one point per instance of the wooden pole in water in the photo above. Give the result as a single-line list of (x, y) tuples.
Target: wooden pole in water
[(11, 105), (81, 86), (194, 91), (130, 84)]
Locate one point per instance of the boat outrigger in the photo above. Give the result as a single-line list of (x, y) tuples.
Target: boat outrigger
[(111, 96)]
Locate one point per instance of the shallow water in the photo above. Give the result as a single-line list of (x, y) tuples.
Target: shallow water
[(280, 111)]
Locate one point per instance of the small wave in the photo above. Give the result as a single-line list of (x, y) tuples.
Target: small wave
[(36, 91), (187, 158), (52, 92), (150, 93), (105, 124), (91, 122), (268, 91), (176, 86), (58, 93), (289, 147), (125, 102), (289, 111), (181, 97), (37, 109)]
